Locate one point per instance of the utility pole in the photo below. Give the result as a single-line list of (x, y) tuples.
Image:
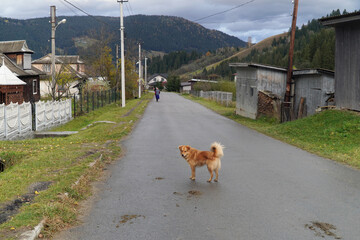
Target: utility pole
[(289, 88), (117, 67), (146, 72), (53, 25), (122, 29), (140, 70), (53, 29)]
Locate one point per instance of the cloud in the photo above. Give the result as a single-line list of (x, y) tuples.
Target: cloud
[(258, 19)]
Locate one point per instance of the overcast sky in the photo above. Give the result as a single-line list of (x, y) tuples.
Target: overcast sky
[(256, 18)]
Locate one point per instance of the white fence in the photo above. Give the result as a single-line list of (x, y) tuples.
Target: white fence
[(225, 98), (50, 114), (16, 121)]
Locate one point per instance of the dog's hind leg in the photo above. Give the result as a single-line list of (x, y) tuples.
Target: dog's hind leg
[(211, 174), (216, 175), (192, 173)]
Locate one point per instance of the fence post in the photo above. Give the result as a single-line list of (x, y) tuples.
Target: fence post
[(81, 102), (74, 106), (5, 122), (87, 102), (93, 101)]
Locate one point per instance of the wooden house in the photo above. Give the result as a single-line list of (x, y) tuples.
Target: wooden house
[(17, 57), (11, 87), (347, 59)]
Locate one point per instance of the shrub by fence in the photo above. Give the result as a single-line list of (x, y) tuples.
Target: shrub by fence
[(89, 101), (225, 98)]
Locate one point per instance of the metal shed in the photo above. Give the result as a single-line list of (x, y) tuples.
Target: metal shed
[(347, 59), (316, 86), (252, 78)]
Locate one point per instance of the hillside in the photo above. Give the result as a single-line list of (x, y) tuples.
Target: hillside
[(201, 64), (158, 33)]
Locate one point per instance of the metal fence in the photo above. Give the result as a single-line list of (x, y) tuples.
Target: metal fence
[(224, 98), (89, 101)]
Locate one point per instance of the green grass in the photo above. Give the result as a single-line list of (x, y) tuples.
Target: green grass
[(332, 134), (62, 161)]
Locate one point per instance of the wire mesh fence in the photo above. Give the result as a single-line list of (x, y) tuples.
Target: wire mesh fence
[(86, 102)]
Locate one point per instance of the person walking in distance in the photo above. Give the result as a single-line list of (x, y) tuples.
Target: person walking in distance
[(157, 94)]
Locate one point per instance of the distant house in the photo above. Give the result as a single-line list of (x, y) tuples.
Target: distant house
[(157, 78), (185, 87), (347, 59), (65, 64), (260, 89), (17, 58)]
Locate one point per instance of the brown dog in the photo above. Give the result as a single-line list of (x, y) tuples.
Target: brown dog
[(197, 158)]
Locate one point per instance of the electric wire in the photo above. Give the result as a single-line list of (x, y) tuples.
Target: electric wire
[(228, 10), (86, 12)]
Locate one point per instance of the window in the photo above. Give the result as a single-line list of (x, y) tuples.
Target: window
[(47, 68), (35, 89)]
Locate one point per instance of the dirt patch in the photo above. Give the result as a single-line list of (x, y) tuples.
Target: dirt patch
[(321, 229), (128, 218), (12, 208), (194, 193), (177, 193), (131, 110), (159, 178)]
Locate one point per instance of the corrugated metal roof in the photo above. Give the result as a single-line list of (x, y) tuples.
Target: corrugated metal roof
[(7, 77), (14, 47), (331, 21), (255, 65), (313, 72)]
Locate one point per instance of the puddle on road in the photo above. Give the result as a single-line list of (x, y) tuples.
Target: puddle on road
[(322, 229)]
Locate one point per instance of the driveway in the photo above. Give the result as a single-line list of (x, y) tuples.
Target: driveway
[(266, 190)]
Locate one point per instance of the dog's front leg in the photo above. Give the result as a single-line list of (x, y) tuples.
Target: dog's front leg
[(211, 174), (192, 173)]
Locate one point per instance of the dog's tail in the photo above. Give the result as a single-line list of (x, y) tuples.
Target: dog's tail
[(217, 148)]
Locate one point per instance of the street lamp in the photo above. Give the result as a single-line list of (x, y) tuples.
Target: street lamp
[(53, 29)]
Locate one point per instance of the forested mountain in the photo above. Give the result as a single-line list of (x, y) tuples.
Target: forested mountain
[(314, 48), (157, 33)]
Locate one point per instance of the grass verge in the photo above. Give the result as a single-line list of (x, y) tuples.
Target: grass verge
[(331, 134), (62, 161)]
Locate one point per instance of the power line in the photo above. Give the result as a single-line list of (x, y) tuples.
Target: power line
[(132, 12), (68, 7), (85, 12), (254, 20), (218, 13)]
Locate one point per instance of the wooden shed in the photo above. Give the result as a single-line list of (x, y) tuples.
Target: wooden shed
[(315, 87), (254, 80), (347, 59), (11, 87)]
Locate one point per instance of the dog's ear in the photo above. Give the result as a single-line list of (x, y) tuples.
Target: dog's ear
[(187, 147), (180, 147)]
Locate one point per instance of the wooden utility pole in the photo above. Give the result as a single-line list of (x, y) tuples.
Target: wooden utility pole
[(288, 98)]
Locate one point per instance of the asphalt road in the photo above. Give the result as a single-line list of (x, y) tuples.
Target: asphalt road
[(266, 189)]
